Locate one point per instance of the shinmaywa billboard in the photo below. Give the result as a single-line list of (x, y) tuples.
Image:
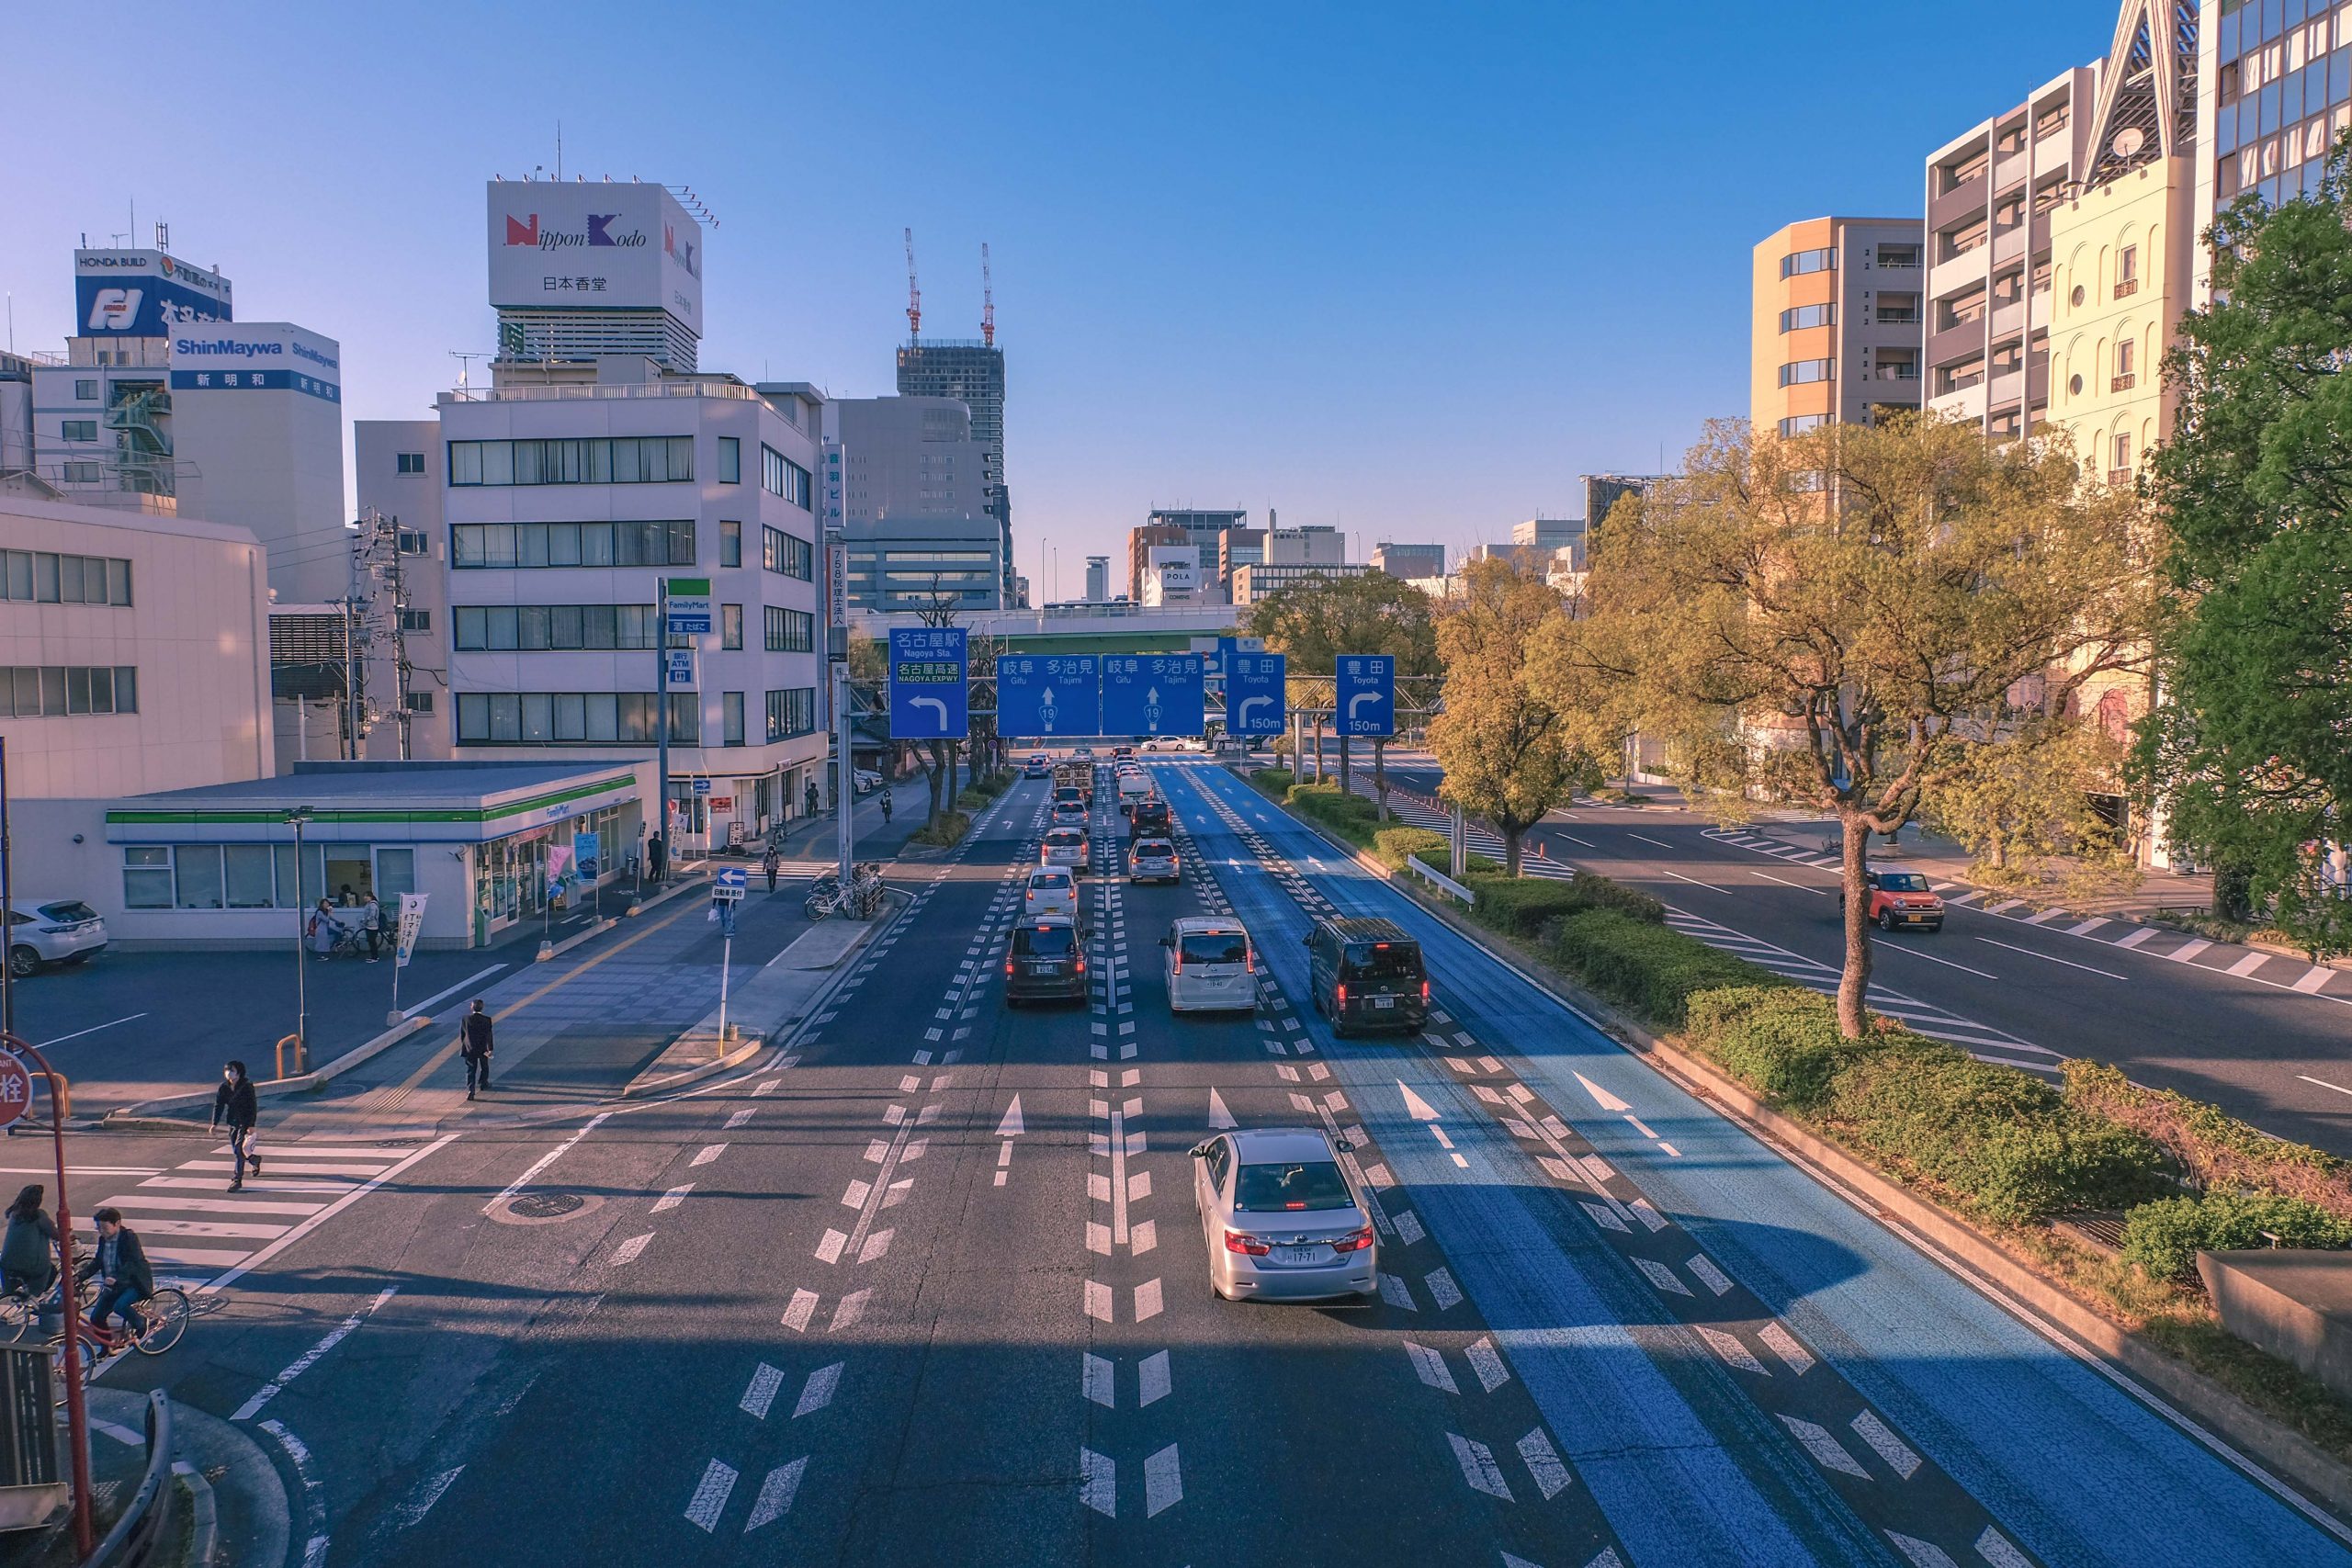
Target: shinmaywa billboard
[(581, 247)]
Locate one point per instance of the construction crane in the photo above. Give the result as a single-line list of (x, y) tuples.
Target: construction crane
[(988, 300), (915, 294)]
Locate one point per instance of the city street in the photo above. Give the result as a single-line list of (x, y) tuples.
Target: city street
[(924, 1283)]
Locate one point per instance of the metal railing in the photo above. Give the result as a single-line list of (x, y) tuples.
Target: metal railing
[(1439, 880), (147, 1530), (590, 392)]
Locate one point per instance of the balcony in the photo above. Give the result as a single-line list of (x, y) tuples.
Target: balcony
[(2120, 479), (1895, 373), (2008, 319), (1957, 342), (2009, 245), (2126, 288), (2006, 390), (1960, 201), (2123, 383)]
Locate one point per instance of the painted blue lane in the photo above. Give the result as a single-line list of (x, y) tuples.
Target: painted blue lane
[(2075, 1467), (1680, 1461)]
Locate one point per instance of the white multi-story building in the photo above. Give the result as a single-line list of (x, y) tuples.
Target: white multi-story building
[(915, 504), (1171, 576)]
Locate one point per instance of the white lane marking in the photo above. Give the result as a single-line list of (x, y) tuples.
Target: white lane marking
[(2144, 933), (132, 1018), (1097, 1483), (1408, 1228), (1731, 1348), (471, 980), (1152, 1378), (421, 1502), (1640, 1126), (2248, 965), (1542, 1462), (850, 1309), (1825, 1448), (767, 1086), (1442, 1288), (776, 1493), (818, 1391), (710, 1496), (632, 1249), (1783, 1344), (1163, 1482), (541, 1163), (2324, 1083), (314, 1508), (1645, 838), (2003, 907), (1013, 1125), (1478, 1466), (2189, 950), (1922, 1553), (1098, 1300), (1929, 957), (2053, 958), (1886, 1445), (2313, 979), (1488, 1363), (877, 1244), (1819, 892), (1995, 1548), (1397, 1293), (1419, 1110), (1661, 1276), (1148, 1300), (760, 1394), (2088, 926), (738, 1118), (672, 1198), (1601, 1097), (2046, 916), (803, 1307), (707, 1153), (1094, 1380), (309, 1358), (1692, 880), (1220, 1118), (829, 1247), (1429, 1367)]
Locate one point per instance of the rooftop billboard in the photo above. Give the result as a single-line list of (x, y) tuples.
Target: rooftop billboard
[(609, 247), (143, 294)]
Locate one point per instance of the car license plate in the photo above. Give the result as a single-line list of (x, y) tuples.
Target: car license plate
[(1049, 968), (1383, 1001), (1309, 1254)]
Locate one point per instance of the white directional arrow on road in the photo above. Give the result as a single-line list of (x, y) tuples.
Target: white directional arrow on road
[(1011, 1126), (1219, 1117), (1419, 1110), (1601, 1097)]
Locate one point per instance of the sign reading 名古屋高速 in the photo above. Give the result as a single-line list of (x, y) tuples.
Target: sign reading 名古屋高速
[(930, 683), (1043, 694), (1153, 694), (1364, 693), (1254, 702)]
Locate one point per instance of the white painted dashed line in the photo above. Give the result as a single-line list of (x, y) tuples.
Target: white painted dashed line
[(707, 1153), (1542, 1462), (1708, 1274), (1429, 1367), (802, 1307), (1488, 1363), (1783, 1344), (1097, 1483), (761, 1393), (1152, 1378), (630, 1250), (777, 1495), (1825, 1448), (2145, 933), (1731, 1348), (1886, 1445), (710, 1496), (740, 1117), (2053, 958), (672, 1198), (1478, 1466), (818, 1391), (310, 1358), (851, 1308)]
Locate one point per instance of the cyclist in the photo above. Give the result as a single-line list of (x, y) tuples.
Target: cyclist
[(886, 805), (121, 1263), (29, 1256)]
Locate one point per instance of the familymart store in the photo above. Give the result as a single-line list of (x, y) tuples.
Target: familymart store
[(490, 844)]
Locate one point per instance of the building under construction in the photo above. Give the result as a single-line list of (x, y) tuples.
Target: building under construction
[(972, 372)]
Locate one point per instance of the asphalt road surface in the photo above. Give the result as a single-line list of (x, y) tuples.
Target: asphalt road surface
[(925, 1284)]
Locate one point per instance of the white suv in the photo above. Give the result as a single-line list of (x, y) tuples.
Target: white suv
[(1052, 891), (54, 931)]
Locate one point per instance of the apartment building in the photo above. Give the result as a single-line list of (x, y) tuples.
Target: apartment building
[(1991, 194), (1836, 327), (1409, 561), (1237, 548)]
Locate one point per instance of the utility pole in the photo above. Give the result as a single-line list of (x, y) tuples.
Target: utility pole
[(837, 651), (661, 716)]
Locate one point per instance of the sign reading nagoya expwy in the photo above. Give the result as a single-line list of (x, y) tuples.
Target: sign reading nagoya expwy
[(930, 683), (1040, 695)]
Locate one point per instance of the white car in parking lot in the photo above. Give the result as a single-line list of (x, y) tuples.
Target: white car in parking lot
[(1065, 847), (53, 931), (1052, 891), (1282, 1221)]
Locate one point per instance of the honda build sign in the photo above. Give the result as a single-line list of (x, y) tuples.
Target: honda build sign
[(609, 247), (253, 357), (143, 294)]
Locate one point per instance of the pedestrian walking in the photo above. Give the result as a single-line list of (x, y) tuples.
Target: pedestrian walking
[(371, 920), (236, 1105), (320, 931), (886, 805), (771, 862), (29, 1256), (813, 801), (473, 1036)]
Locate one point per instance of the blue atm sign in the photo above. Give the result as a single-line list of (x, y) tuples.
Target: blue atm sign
[(1153, 694), (1039, 695)]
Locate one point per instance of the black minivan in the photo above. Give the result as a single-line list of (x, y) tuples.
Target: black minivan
[(1047, 962), (1367, 974)]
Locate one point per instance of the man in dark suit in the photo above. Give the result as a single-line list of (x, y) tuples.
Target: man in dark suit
[(474, 1044), (120, 1264)]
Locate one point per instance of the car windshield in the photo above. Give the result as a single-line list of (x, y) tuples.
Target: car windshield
[(1056, 880), (1214, 947), (67, 910), (1902, 881), (1065, 838), (1392, 961), (1147, 847), (1043, 942), (1274, 1188)]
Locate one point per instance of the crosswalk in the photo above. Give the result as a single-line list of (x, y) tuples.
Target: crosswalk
[(1978, 1040), (195, 1230)]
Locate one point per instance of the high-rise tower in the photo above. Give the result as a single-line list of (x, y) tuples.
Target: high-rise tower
[(972, 372)]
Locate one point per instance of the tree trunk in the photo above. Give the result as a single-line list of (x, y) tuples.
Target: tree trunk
[(1512, 839), (1318, 750), (1853, 986), (1380, 777), (933, 777), (1343, 764)]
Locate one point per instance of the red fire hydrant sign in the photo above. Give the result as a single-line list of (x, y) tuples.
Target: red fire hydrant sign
[(15, 1090)]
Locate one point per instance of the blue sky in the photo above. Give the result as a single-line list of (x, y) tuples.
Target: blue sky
[(1409, 269)]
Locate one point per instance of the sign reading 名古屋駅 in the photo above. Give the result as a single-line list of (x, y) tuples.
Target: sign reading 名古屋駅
[(930, 683)]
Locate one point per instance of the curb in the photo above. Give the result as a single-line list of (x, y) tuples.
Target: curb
[(1977, 1259), (642, 1084), (204, 1516)]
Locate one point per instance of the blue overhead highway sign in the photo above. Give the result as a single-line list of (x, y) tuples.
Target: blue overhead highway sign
[(930, 683), (1153, 694), (1043, 694), (1365, 694), (1254, 694)]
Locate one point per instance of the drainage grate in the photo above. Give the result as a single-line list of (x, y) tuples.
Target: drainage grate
[(545, 1205)]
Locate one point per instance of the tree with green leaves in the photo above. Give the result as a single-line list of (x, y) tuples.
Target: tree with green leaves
[(1314, 621), (2247, 755), (1855, 619), (1508, 755)]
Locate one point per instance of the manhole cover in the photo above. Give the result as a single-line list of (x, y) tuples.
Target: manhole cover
[(545, 1205)]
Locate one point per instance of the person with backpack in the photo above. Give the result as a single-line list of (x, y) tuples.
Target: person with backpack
[(29, 1256), (474, 1045), (235, 1104)]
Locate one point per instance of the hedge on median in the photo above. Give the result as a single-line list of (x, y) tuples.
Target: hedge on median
[(1273, 781), (1649, 968), (2164, 1237), (1523, 906), (2214, 1150)]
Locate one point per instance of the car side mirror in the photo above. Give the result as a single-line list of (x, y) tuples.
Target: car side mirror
[(1343, 1146), (1306, 942), (1200, 1151), (1165, 943)]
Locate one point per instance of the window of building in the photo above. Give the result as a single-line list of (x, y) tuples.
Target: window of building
[(2127, 270), (413, 542), (593, 718), (1969, 168), (731, 710), (730, 461), (790, 631), (44, 577), (1805, 316), (1803, 262), (1797, 424), (488, 546), (2120, 465), (1898, 256), (730, 626), (79, 430), (85, 392), (1802, 372), (258, 876), (419, 702), (529, 629), (84, 473), (730, 544), (61, 690), (1961, 240), (787, 553), (792, 711), (1898, 310), (408, 462), (416, 620), (595, 460), (779, 474), (2124, 357)]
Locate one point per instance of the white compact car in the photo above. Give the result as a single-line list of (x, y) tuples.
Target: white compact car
[(1064, 847), (1282, 1221), (1052, 891), (1209, 965), (54, 931)]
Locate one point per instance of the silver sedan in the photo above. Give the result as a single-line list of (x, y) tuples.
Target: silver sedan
[(1281, 1219)]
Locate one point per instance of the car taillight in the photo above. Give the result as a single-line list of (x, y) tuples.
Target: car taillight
[(1249, 961), (1082, 964), (1236, 1241), (1339, 996), (1425, 993), (1354, 1242), (1008, 965)]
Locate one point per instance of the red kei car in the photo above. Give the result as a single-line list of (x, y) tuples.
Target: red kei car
[(1899, 899)]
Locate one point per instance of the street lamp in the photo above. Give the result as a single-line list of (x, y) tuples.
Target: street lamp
[(297, 816)]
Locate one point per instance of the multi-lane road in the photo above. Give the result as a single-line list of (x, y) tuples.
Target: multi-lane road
[(925, 1284), (2266, 1037)]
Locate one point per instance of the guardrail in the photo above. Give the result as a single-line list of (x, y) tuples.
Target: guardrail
[(1439, 880), (147, 1530)]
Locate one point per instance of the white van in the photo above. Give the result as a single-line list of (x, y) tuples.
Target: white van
[(1210, 967), (1133, 788)]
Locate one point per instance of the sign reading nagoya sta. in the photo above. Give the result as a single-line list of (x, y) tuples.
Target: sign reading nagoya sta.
[(613, 247)]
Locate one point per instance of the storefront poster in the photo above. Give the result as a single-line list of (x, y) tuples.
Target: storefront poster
[(411, 923), (558, 864)]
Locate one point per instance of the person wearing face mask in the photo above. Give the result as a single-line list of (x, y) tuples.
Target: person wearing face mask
[(235, 1103)]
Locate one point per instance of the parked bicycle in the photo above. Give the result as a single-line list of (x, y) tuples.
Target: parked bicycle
[(824, 896)]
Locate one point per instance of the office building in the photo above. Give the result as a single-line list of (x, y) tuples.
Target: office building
[(1256, 584), (972, 373), (1312, 544), (1237, 548), (1836, 333), (1603, 491), (1409, 561), (1546, 534), (579, 271), (915, 504), (1990, 195), (1097, 579), (2275, 91), (1205, 529), (1140, 543), (1172, 577)]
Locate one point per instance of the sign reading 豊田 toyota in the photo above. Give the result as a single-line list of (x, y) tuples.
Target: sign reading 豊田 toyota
[(1040, 695), (621, 247), (1153, 694), (1364, 695), (930, 683), (1254, 704)]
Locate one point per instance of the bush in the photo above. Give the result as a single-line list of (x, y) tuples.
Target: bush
[(1273, 781), (1525, 904), (2164, 1237), (1781, 1041), (950, 828), (1646, 967), (2215, 1150), (1352, 817), (1394, 846)]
